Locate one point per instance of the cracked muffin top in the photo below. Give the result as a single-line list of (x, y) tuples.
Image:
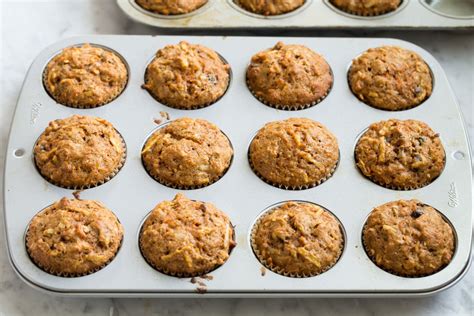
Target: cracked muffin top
[(270, 7), (171, 7), (400, 154), (187, 76), (73, 237), (187, 153), (296, 153), (367, 7), (289, 76), (79, 152), (298, 239), (85, 76), (186, 238), (390, 78), (408, 238)]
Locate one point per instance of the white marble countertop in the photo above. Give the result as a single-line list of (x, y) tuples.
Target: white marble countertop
[(29, 26)]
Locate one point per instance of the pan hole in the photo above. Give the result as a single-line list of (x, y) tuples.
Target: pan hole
[(458, 155), (20, 152)]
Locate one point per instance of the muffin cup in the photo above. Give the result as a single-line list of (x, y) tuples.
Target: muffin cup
[(90, 186), (293, 188), (374, 14), (290, 107), (67, 274), (183, 275), (280, 270)]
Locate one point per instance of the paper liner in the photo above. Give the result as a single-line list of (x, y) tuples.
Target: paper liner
[(368, 14), (90, 186), (293, 188), (67, 274), (372, 258), (290, 107), (237, 2), (280, 270), (182, 275)]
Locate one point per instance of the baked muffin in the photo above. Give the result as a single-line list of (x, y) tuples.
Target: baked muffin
[(366, 7), (290, 77), (187, 153), (400, 154), (73, 237), (270, 7), (85, 76), (79, 152), (186, 238), (390, 78), (171, 7), (297, 153), (298, 239), (187, 76), (408, 238)]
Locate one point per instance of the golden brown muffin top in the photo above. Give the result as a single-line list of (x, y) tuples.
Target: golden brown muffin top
[(367, 7), (171, 7), (187, 153), (390, 78), (400, 154), (298, 239), (295, 153), (270, 7), (79, 151), (289, 76), (408, 238), (186, 238), (73, 237), (85, 76), (187, 76)]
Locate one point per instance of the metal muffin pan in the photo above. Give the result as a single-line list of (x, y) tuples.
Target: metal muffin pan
[(314, 14), (132, 193)]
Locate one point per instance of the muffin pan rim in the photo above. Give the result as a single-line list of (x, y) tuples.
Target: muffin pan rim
[(26, 121)]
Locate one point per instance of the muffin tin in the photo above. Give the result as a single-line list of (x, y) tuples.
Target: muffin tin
[(314, 14), (132, 193)]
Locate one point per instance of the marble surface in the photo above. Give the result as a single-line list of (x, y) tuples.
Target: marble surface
[(29, 26)]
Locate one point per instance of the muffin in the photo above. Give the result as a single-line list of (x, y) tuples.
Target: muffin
[(171, 7), (73, 238), (366, 7), (297, 239), (400, 155), (186, 238), (390, 78), (187, 76), (79, 152), (408, 238), (85, 76), (270, 7), (290, 77), (297, 153), (187, 154)]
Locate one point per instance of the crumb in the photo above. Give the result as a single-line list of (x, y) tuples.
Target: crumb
[(165, 115), (193, 280), (77, 194), (200, 283), (207, 277), (263, 271), (201, 289), (157, 121)]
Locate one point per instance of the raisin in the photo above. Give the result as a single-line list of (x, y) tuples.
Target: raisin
[(416, 213)]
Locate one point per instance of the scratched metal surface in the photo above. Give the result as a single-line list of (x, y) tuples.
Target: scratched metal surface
[(314, 14), (131, 194)]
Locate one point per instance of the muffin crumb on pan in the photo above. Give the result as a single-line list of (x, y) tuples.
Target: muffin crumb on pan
[(73, 238), (295, 154), (408, 238), (186, 238), (367, 7), (400, 154), (171, 7), (390, 78), (187, 154), (289, 77), (79, 152), (187, 76), (85, 76), (270, 7), (297, 239)]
